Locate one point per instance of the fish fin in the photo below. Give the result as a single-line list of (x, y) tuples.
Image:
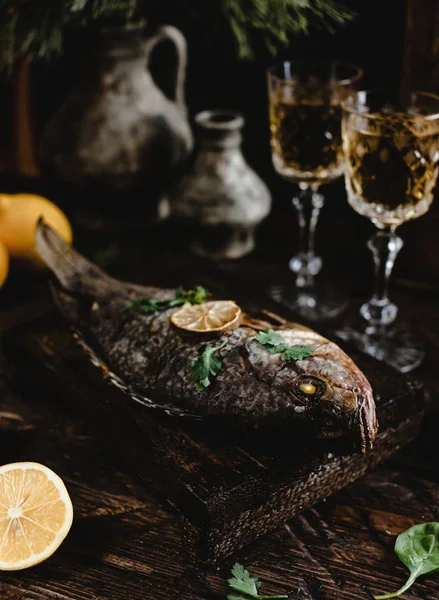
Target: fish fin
[(116, 381), (72, 270), (252, 323), (294, 325), (274, 317)]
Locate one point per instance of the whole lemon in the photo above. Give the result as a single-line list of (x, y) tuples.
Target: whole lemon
[(4, 263), (19, 215)]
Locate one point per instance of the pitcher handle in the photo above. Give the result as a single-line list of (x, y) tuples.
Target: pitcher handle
[(168, 32)]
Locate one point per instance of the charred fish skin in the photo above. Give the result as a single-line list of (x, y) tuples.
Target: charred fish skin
[(152, 358)]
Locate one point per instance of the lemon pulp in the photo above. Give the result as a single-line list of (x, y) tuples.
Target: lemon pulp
[(35, 514)]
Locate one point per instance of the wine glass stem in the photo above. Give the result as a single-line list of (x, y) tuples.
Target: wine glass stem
[(385, 246), (306, 264)]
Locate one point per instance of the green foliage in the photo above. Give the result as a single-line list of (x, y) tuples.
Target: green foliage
[(247, 585), (271, 340), (243, 582), (297, 352), (37, 27), (196, 296), (275, 344), (151, 305), (418, 549), (206, 366), (279, 20)]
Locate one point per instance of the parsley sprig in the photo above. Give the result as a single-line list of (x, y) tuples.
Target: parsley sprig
[(246, 585), (206, 366), (150, 306), (275, 343)]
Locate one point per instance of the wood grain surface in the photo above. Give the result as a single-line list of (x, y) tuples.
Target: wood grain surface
[(125, 544), (230, 486)]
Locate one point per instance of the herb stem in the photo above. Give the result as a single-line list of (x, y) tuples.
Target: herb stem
[(270, 597), (404, 588)]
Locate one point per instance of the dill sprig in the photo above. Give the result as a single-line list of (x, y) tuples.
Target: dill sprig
[(37, 28)]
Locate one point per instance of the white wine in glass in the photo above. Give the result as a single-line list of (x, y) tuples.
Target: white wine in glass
[(306, 143), (392, 151)]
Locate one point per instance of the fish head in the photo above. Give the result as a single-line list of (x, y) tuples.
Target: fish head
[(338, 394), (326, 388)]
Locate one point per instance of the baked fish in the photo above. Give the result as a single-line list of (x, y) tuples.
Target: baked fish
[(150, 359)]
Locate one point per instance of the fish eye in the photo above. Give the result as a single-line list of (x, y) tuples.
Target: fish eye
[(308, 387)]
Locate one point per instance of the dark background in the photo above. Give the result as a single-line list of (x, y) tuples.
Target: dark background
[(376, 40)]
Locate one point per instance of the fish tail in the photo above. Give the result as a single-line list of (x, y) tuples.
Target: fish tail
[(75, 273)]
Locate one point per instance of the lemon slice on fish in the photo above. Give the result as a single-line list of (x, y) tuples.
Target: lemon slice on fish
[(35, 514), (212, 316)]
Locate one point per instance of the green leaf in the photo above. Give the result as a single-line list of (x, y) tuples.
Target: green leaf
[(151, 305), (418, 549), (195, 296), (297, 352), (147, 305), (134, 303), (243, 582), (269, 338), (275, 343), (205, 366), (239, 571)]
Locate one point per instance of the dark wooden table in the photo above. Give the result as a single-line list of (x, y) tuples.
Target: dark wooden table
[(126, 545)]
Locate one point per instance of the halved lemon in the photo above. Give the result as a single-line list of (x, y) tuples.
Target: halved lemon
[(212, 316), (36, 514)]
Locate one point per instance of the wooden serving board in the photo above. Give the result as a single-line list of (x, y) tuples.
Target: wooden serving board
[(229, 487)]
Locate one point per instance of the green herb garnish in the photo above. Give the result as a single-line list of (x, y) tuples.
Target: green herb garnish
[(196, 295), (148, 305), (151, 306), (297, 352), (271, 340), (246, 585), (418, 549), (205, 366), (275, 343)]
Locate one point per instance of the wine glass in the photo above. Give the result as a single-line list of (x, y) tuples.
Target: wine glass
[(305, 123), (392, 151)]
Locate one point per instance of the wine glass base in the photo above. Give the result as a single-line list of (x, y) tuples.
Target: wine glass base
[(311, 306), (400, 349)]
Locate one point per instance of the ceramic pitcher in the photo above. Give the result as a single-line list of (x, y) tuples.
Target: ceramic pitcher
[(117, 131)]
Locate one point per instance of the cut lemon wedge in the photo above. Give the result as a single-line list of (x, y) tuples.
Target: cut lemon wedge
[(216, 315), (36, 514)]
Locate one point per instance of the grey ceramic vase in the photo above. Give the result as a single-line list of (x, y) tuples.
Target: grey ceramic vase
[(221, 197), (117, 131)]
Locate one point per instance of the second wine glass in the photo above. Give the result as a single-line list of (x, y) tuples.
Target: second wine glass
[(306, 143), (392, 150)]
